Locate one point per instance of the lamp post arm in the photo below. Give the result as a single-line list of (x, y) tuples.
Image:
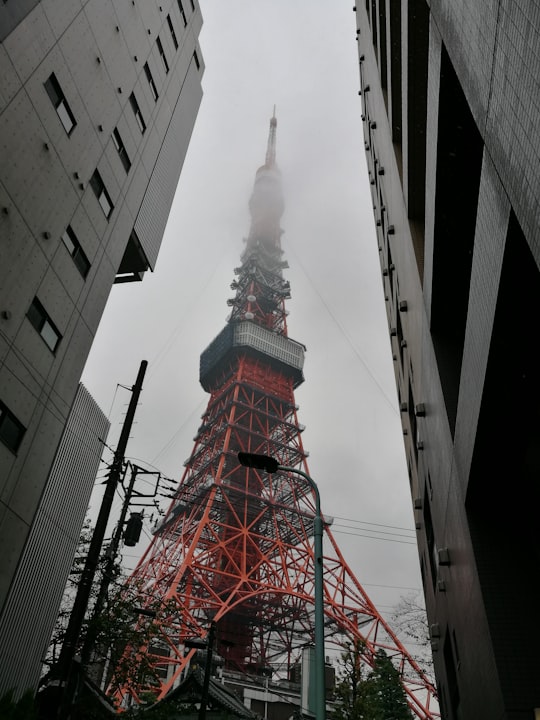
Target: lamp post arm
[(311, 482)]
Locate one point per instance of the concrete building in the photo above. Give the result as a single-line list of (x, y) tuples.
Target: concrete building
[(32, 606), (450, 110), (97, 105)]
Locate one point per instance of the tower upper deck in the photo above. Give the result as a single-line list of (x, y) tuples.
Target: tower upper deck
[(257, 324)]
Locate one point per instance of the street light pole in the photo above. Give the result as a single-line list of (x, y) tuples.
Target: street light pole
[(271, 465)]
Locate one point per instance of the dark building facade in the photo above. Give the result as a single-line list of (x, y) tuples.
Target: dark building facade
[(450, 111), (97, 104)]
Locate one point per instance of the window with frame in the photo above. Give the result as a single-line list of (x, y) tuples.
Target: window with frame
[(137, 112), (182, 12), (430, 539), (173, 34), (11, 429), (149, 77), (41, 321), (120, 148), (57, 97), (70, 240), (104, 199), (162, 54)]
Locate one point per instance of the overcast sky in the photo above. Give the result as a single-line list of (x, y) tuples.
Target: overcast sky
[(301, 56)]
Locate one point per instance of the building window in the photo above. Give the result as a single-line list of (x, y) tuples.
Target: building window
[(173, 34), (54, 91), (75, 250), (137, 112), (122, 152), (452, 680), (162, 55), (153, 88), (430, 541), (182, 13), (456, 650), (11, 430), (196, 58), (44, 325), (102, 195)]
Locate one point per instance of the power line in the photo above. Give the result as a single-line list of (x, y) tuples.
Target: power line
[(390, 403), (391, 587), (381, 532), (373, 537), (366, 522)]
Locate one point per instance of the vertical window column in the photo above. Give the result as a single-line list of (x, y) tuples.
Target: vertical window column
[(74, 248), (182, 13), (162, 55), (101, 193), (173, 34), (11, 430), (137, 112), (40, 319), (122, 152), (149, 77), (54, 91)]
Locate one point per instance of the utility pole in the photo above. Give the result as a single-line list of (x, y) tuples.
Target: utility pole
[(112, 552), (108, 572), (66, 674)]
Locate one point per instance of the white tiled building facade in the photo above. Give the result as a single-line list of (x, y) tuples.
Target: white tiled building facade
[(97, 104)]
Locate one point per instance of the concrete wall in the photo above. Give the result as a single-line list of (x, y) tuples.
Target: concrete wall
[(452, 130), (97, 50), (30, 613)]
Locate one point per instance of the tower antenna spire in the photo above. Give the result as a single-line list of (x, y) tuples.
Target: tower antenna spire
[(271, 148)]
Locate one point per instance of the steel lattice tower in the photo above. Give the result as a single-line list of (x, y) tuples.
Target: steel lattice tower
[(235, 546)]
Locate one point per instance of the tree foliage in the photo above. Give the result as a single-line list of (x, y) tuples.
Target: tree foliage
[(384, 691), (68, 597), (120, 632), (375, 694), (409, 620), (350, 689)]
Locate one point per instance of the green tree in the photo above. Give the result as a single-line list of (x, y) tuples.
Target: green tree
[(120, 632), (386, 697), (68, 598), (350, 692), (362, 694)]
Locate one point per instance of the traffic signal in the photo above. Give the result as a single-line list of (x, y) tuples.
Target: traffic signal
[(132, 533)]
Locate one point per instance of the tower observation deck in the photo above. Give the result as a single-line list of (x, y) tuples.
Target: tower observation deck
[(235, 547)]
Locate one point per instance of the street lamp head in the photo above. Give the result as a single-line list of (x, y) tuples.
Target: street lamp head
[(259, 462)]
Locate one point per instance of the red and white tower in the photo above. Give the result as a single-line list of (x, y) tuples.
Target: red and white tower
[(236, 545)]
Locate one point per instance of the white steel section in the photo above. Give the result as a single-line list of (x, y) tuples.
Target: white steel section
[(276, 346)]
